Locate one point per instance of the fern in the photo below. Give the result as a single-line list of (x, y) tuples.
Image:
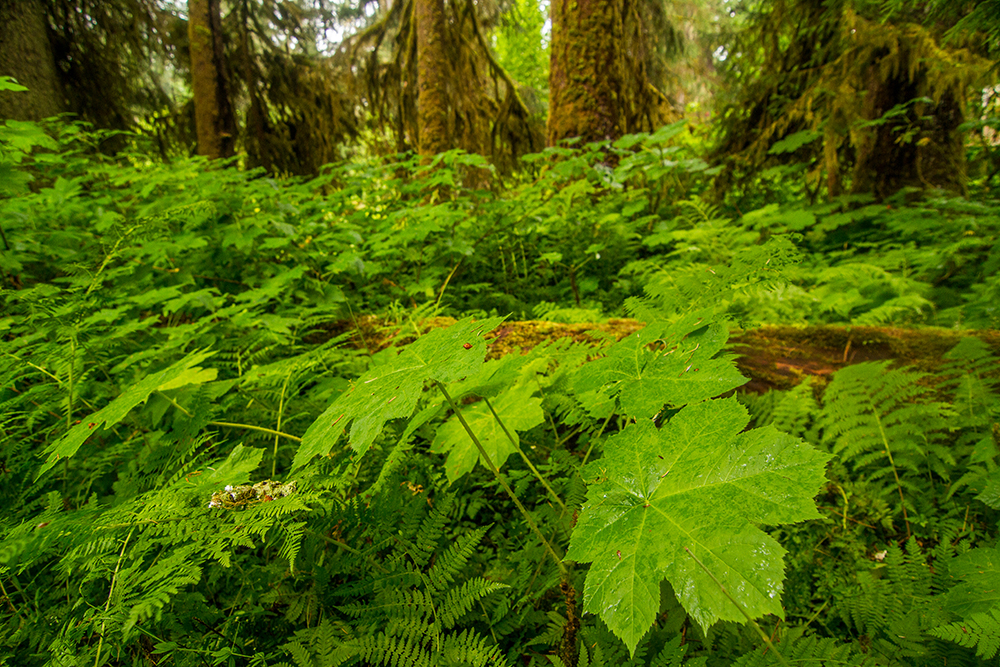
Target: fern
[(412, 610), (980, 631), (805, 650), (970, 375), (791, 411), (893, 605), (882, 424)]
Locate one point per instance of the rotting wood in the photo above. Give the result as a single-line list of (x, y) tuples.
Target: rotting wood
[(773, 357)]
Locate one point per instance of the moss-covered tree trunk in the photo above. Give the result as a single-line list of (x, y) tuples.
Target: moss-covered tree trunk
[(26, 55), (433, 74), (920, 147), (587, 74), (213, 112)]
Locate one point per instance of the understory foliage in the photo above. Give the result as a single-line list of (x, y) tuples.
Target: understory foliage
[(240, 425)]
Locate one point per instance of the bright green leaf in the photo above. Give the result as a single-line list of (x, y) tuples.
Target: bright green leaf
[(391, 390), (10, 83), (978, 590), (235, 470), (793, 142), (518, 410), (695, 484), (184, 372), (682, 367)]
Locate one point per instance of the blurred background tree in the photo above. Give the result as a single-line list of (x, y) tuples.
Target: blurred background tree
[(864, 96), (846, 96)]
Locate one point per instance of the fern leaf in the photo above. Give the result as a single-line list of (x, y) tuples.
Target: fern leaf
[(453, 560), (980, 631), (881, 420), (804, 651), (459, 600)]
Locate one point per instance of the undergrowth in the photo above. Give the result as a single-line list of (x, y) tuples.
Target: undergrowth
[(211, 456)]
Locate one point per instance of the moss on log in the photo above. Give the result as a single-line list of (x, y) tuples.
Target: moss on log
[(773, 357)]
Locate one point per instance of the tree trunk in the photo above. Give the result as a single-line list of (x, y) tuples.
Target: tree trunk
[(432, 79), (921, 148), (213, 112), (26, 54), (586, 75)]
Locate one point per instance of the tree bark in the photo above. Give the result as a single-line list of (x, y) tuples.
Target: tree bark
[(887, 159), (432, 79), (26, 54), (586, 75), (215, 122)]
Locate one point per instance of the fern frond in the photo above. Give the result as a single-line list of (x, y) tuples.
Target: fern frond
[(876, 415), (980, 631), (382, 649), (430, 531), (805, 650), (449, 564), (673, 653), (459, 600), (469, 648)]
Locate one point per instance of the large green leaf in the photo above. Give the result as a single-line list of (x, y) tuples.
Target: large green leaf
[(663, 364), (978, 587), (391, 390), (235, 469), (184, 372), (519, 411), (695, 484)]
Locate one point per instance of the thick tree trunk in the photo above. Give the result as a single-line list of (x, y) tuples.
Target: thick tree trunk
[(586, 75), (889, 158), (213, 112), (432, 79), (26, 55)]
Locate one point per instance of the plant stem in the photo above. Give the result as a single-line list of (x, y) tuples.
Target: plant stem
[(594, 439), (534, 470), (111, 591), (503, 482), (277, 427), (256, 428), (763, 635), (231, 424), (892, 464), (10, 603)]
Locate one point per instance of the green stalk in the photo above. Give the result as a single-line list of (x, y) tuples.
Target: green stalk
[(534, 470), (257, 428), (892, 464), (111, 591), (503, 482), (763, 635), (277, 427), (231, 424), (595, 438)]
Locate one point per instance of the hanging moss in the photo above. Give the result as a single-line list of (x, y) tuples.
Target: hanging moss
[(599, 84), (886, 99), (301, 109), (482, 110), (433, 76)]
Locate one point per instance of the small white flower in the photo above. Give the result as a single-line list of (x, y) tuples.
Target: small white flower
[(229, 487), (213, 504), (232, 495)]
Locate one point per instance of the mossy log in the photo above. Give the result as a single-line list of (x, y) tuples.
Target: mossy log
[(773, 357)]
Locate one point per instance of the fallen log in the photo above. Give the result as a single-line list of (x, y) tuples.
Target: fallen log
[(773, 357)]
